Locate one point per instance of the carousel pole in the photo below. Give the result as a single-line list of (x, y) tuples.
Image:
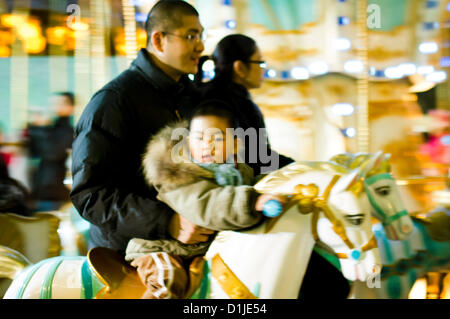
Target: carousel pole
[(98, 51), (128, 12), (57, 63), (81, 60), (363, 130)]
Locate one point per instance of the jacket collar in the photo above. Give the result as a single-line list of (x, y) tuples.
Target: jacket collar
[(156, 76), (240, 90)]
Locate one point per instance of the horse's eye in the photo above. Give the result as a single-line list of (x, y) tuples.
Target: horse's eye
[(355, 219), (383, 191)]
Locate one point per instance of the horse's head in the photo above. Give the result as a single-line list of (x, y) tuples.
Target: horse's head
[(382, 191), (340, 211)]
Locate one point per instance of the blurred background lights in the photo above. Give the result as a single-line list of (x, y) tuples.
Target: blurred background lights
[(343, 44), (318, 68), (230, 24), (208, 66), (425, 69), (343, 20), (349, 132), (428, 47), (353, 66), (393, 72), (407, 68), (437, 76), (300, 73), (343, 109), (445, 61), (271, 73)]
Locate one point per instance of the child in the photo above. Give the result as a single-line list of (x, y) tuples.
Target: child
[(205, 185)]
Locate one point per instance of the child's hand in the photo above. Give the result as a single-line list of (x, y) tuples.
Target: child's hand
[(262, 199)]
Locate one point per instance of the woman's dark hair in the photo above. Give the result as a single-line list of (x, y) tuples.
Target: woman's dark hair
[(234, 47), (213, 107)]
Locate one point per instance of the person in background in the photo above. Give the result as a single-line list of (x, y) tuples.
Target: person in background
[(14, 197), (49, 144)]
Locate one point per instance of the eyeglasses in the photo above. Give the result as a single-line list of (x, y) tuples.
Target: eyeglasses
[(262, 64), (191, 38)]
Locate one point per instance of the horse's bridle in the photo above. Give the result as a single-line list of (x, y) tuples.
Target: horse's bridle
[(309, 202), (387, 220)]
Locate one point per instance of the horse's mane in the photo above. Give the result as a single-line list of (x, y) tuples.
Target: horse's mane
[(286, 173), (352, 161)]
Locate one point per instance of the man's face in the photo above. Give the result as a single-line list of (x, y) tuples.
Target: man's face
[(61, 105), (183, 46)]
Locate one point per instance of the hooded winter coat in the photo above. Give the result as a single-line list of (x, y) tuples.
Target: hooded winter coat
[(192, 191)]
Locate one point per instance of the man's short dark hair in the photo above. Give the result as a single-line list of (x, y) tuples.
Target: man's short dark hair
[(166, 16), (69, 95), (217, 108)]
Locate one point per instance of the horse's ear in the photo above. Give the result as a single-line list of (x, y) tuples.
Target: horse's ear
[(350, 181), (372, 163)]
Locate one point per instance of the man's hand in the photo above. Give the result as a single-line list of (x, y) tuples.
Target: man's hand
[(186, 232)]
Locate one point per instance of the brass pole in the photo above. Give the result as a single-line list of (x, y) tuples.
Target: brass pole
[(130, 30), (363, 131)]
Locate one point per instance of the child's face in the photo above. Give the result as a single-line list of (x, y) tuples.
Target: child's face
[(208, 139)]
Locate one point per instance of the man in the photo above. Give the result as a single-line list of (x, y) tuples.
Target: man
[(49, 145), (108, 185)]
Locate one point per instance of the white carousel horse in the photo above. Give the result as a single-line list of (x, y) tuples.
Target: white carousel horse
[(326, 203), (405, 261), (382, 191), (271, 264), (406, 255)]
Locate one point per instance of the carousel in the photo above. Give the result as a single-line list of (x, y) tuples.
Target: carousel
[(355, 91)]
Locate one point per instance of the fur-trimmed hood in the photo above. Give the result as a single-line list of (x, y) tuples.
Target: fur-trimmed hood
[(166, 160)]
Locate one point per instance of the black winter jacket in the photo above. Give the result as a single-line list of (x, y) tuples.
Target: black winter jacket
[(111, 135)]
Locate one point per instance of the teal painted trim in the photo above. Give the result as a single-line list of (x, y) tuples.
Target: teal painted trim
[(374, 204), (46, 288), (256, 289), (425, 237), (394, 286), (205, 282), (412, 276), (332, 259), (97, 285), (375, 178), (86, 281), (27, 279), (386, 245), (390, 219)]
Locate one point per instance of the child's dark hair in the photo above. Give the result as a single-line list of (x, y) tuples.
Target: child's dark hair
[(214, 107)]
